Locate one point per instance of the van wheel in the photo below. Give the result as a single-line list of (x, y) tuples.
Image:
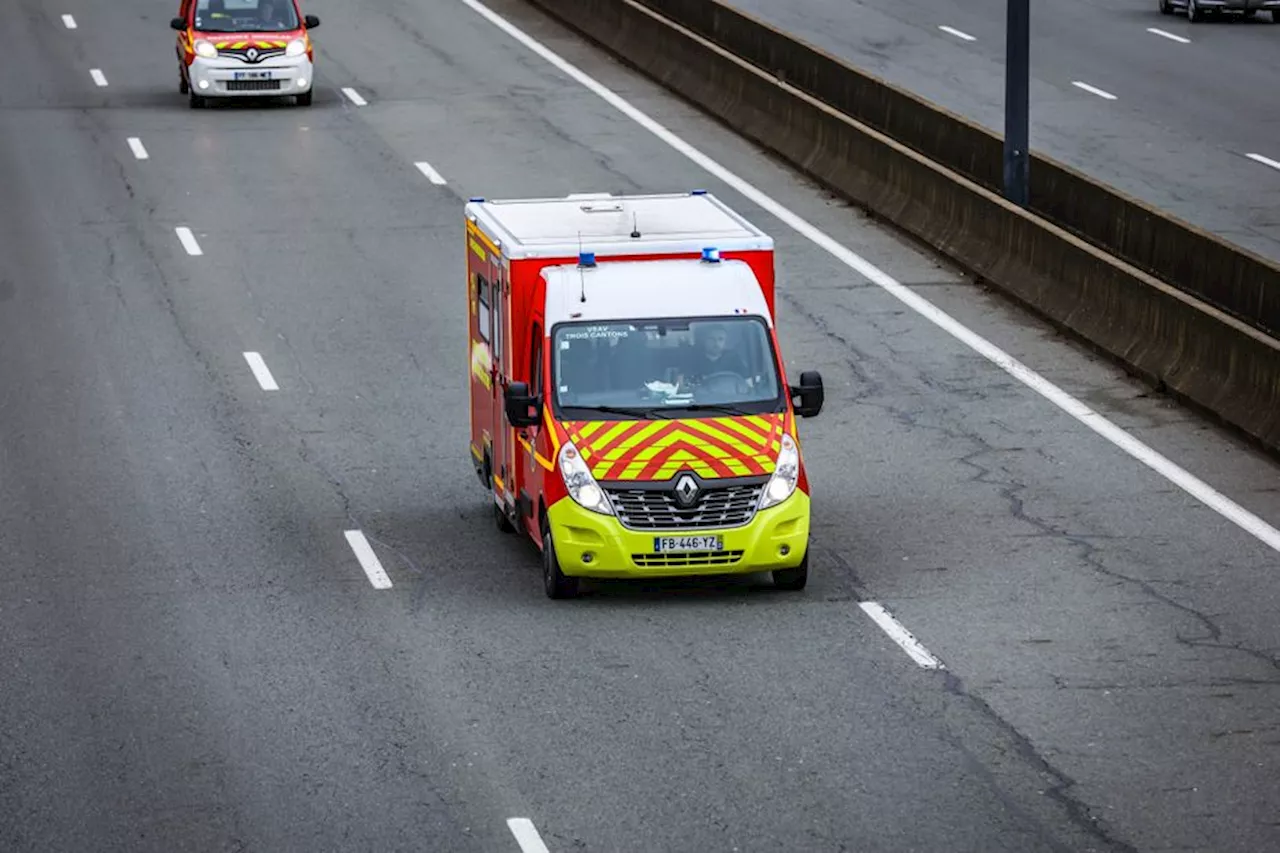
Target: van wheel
[(196, 101), (554, 582), (501, 519), (304, 100), (793, 580)]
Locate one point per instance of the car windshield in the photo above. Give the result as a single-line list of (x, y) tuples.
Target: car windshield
[(245, 16), (657, 368)]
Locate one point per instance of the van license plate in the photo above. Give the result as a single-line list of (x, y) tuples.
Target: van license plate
[(678, 544), (252, 75)]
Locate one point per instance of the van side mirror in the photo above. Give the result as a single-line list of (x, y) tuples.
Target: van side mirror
[(311, 21), (518, 401), (810, 393), (177, 24)]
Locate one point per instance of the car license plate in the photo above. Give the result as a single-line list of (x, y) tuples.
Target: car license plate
[(252, 75), (678, 544)]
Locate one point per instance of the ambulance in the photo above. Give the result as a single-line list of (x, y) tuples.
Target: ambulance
[(630, 411)]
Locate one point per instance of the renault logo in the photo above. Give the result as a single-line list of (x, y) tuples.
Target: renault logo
[(686, 491), (252, 54)]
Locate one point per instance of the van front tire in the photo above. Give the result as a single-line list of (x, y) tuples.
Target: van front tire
[(793, 580), (554, 582)]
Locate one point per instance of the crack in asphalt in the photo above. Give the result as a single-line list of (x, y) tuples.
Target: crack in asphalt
[(1060, 791), (1091, 555)]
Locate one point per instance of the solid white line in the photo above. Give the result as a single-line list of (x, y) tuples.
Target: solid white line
[(98, 76), (260, 371), (1193, 486), (901, 635), (526, 835), (1266, 161), (368, 560), (1169, 36), (432, 175), (188, 240), (138, 150), (355, 97), (953, 31), (1093, 90), (69, 22)]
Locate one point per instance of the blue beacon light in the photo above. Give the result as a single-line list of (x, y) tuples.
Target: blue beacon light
[(586, 259), (710, 255)]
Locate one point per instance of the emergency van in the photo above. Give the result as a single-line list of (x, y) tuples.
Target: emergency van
[(630, 411)]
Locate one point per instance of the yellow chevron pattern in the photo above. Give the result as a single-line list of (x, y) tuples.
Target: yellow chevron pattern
[(658, 450)]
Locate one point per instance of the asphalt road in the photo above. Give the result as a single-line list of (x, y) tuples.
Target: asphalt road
[(1186, 118), (193, 658)]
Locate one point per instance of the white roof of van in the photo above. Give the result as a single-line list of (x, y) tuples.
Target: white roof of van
[(604, 224), (629, 290)]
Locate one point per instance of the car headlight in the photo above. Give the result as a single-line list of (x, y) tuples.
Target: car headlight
[(582, 487), (785, 475), (297, 47), (206, 49)]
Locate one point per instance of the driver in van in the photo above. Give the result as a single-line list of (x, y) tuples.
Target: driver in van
[(267, 16), (714, 356)]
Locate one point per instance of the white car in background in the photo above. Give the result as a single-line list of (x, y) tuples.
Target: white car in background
[(1199, 10)]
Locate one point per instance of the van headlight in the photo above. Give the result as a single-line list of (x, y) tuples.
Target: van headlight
[(297, 47), (582, 487), (785, 475), (206, 49)]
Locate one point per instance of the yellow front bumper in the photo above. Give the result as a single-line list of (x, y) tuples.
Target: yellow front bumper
[(589, 544)]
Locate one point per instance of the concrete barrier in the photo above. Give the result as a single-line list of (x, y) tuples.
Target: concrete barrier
[(1200, 354), (1239, 282)]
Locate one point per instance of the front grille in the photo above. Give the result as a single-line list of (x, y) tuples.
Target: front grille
[(253, 85), (656, 509), (242, 53), (697, 558)]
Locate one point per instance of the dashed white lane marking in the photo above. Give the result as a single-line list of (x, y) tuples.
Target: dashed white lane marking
[(1266, 161), (432, 175), (1169, 36), (69, 22), (900, 635), (261, 372), (1201, 491), (355, 97), (98, 76), (1093, 90), (368, 560), (135, 144), (188, 240), (526, 835), (953, 31)]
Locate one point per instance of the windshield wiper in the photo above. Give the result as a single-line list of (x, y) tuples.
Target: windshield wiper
[(713, 407), (642, 411)]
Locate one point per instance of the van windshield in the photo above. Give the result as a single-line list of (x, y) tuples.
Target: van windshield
[(665, 368), (245, 16)]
